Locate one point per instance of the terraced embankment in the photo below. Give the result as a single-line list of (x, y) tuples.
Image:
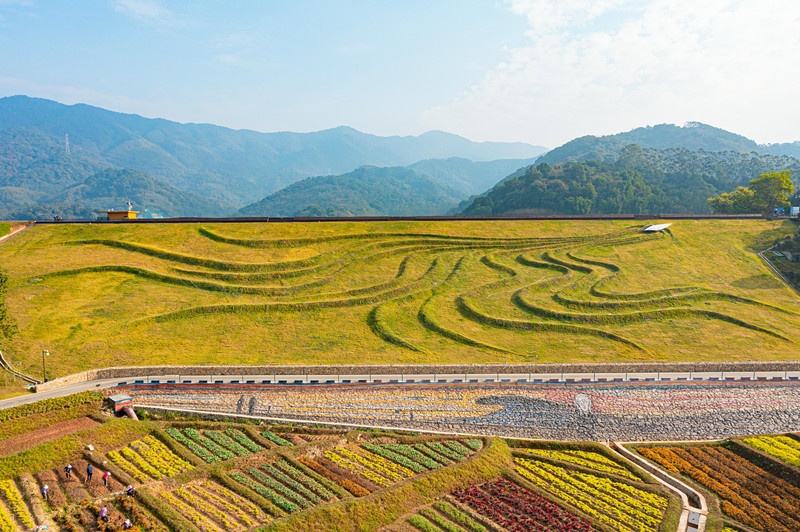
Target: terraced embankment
[(397, 292)]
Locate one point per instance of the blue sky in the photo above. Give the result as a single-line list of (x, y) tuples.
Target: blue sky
[(538, 71)]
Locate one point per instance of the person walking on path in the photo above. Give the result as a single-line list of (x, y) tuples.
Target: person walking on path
[(44, 491), (89, 472), (105, 478), (68, 470)]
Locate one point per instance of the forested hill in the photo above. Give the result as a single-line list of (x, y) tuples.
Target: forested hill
[(692, 136), (366, 191), (428, 187), (639, 181)]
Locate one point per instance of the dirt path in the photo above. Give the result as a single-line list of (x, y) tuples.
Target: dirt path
[(37, 437)]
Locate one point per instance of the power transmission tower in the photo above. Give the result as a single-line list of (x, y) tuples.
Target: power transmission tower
[(67, 143)]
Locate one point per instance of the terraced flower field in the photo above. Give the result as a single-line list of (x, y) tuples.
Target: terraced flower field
[(617, 504), (215, 476), (396, 292), (749, 494)]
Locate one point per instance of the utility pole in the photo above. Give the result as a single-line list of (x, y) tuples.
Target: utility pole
[(45, 353)]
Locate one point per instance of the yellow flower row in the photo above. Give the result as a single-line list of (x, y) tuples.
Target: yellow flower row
[(378, 464), (161, 457), (569, 499), (598, 502), (355, 468), (199, 520), (223, 493), (139, 462), (126, 466), (205, 507), (647, 502), (780, 447), (14, 499), (588, 460), (232, 509), (6, 524), (604, 490)]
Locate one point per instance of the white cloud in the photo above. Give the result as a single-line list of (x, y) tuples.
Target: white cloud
[(597, 67), (148, 11)]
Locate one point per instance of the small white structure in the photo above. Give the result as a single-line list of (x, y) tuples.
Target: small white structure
[(655, 228)]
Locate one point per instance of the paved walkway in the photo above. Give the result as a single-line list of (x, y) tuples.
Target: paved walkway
[(58, 392)]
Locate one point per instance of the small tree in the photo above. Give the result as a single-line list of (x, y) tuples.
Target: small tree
[(772, 190), (740, 201), (766, 192)]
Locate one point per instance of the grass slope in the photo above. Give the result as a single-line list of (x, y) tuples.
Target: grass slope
[(396, 292)]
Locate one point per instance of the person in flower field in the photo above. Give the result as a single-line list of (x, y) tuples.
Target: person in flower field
[(68, 470), (89, 473), (104, 514), (105, 478), (127, 525), (130, 491), (44, 491)]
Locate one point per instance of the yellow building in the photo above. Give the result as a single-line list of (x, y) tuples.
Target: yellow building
[(120, 215)]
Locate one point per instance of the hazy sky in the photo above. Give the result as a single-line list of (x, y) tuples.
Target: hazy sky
[(538, 71)]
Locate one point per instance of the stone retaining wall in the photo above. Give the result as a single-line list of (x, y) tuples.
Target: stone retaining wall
[(412, 369)]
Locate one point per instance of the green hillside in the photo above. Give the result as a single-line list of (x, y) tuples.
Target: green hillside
[(367, 191), (100, 295), (637, 181)]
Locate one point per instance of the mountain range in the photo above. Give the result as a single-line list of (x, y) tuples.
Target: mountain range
[(232, 167), (72, 160)]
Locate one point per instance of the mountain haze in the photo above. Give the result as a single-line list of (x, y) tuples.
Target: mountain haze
[(234, 167), (430, 187)]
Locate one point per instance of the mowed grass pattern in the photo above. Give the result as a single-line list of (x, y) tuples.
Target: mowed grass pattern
[(389, 292)]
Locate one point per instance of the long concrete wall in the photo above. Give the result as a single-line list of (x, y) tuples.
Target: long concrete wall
[(416, 373)]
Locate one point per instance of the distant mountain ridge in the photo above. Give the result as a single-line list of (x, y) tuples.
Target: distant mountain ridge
[(233, 167), (430, 187), (691, 136)]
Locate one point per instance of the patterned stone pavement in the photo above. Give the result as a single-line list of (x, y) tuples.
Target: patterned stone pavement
[(629, 411)]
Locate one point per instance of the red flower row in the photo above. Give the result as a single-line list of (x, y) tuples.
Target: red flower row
[(519, 509)]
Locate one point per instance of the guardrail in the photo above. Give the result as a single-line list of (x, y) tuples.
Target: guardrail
[(431, 374), (6, 365), (462, 378)]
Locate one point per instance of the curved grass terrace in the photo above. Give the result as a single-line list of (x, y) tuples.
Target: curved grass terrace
[(396, 292)]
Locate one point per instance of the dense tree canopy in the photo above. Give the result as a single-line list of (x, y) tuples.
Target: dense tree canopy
[(639, 181), (767, 192)]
